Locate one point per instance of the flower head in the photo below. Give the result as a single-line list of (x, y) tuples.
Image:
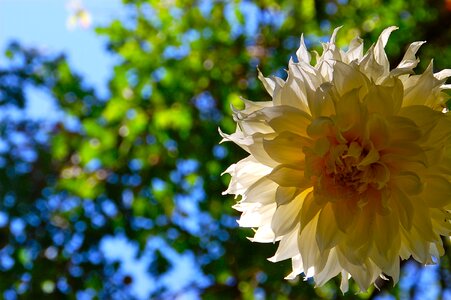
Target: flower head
[(349, 165)]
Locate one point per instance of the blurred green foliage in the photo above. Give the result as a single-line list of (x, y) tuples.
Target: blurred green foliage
[(120, 167)]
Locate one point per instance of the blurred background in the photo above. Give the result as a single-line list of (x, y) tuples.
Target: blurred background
[(110, 184)]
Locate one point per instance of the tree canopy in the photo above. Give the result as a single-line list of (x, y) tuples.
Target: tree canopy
[(143, 165)]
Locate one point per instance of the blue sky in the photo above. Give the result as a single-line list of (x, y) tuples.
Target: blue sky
[(42, 24)]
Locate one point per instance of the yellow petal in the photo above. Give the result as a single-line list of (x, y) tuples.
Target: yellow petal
[(403, 129), (286, 194), (405, 151), (377, 130), (319, 100), (440, 134), (362, 230), (309, 209), (418, 247), (327, 235), (348, 110), (378, 173), (347, 78), (422, 222), (354, 150), (409, 182), (383, 99), (403, 206), (288, 176), (370, 158), (257, 149), (321, 127), (425, 117), (344, 212), (441, 221), (386, 231), (286, 148), (286, 217), (437, 192), (288, 119)]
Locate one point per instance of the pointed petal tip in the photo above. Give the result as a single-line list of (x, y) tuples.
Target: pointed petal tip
[(389, 30), (272, 259), (302, 53), (290, 276), (334, 34), (443, 74), (383, 37), (225, 137)]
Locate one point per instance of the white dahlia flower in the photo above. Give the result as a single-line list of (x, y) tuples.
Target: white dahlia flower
[(349, 165)]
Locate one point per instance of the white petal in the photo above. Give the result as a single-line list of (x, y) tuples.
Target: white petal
[(288, 247), (331, 269), (383, 38), (268, 83), (292, 93), (244, 174), (254, 216), (302, 53), (355, 51), (443, 74), (238, 138), (286, 217), (422, 92), (344, 285), (334, 35), (264, 234), (410, 61), (308, 248), (297, 266), (262, 191), (375, 63)]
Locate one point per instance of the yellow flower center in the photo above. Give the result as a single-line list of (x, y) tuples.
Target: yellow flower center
[(343, 165)]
